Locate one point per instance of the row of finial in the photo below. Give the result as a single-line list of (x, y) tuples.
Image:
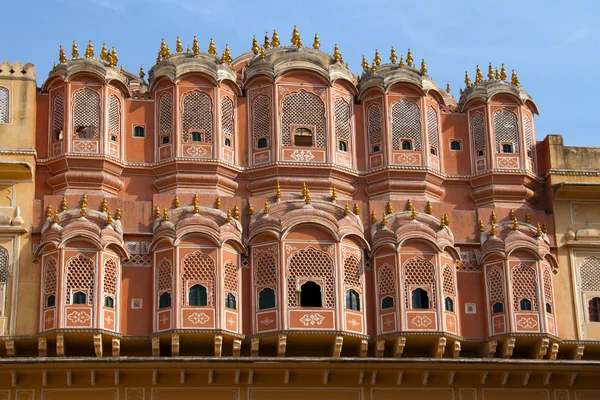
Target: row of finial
[(83, 210), (540, 230), (393, 58), (493, 75), (109, 56), (444, 220), (196, 204)]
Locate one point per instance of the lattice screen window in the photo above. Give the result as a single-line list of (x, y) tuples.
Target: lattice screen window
[(4, 106), (50, 278), (227, 125), (342, 120), (528, 133), (547, 286), (478, 128), (374, 126), (590, 274), (3, 280), (231, 278), (80, 277), (311, 263), (197, 116), (165, 116), (524, 284), (261, 119), (406, 124), (58, 116), (448, 276), (110, 278), (86, 114), (419, 272), (114, 115), (496, 284), (506, 130), (303, 108), (265, 270), (199, 268), (352, 273), (164, 276), (386, 279), (432, 129)]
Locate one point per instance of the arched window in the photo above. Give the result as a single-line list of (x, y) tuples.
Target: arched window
[(198, 296), (230, 301), (478, 128), (261, 120), (227, 142), (310, 295), (196, 137), (164, 300), (303, 137), (387, 302), (374, 127), (507, 148), (455, 145), (406, 124), (376, 149), (86, 113), (139, 131), (406, 145), (449, 304), (79, 298), (262, 143), (50, 301), (594, 309), (497, 307), (4, 106), (506, 131), (299, 111), (525, 305), (58, 116), (549, 308), (433, 151), (165, 140), (266, 299), (419, 298), (197, 116), (342, 146), (352, 300), (109, 302)]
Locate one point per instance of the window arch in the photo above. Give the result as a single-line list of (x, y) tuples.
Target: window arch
[(432, 129), (4, 106), (478, 129), (50, 301), (342, 146), (387, 302), (58, 117), (227, 123), (265, 274), (528, 133), (314, 263), (311, 295), (374, 127), (506, 131), (198, 268), (495, 282), (262, 143), (164, 300), (114, 115), (266, 299), (406, 123), (524, 283), (261, 121), (352, 300), (198, 296), (196, 115), (455, 145), (110, 280), (419, 273), (341, 117), (449, 304), (165, 118), (80, 271), (497, 307), (230, 284), (109, 302), (50, 280), (448, 283), (86, 113), (79, 298), (3, 279), (419, 299), (525, 305), (303, 108), (164, 282), (230, 301), (406, 144)]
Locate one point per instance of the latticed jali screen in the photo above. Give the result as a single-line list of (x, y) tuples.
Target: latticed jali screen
[(50, 277), (419, 272), (342, 119), (114, 115), (590, 278), (406, 124), (227, 125), (303, 108), (311, 263), (432, 127), (261, 118), (165, 115), (199, 268), (4, 111), (524, 286), (496, 284), (86, 111), (478, 128), (374, 122), (58, 113), (197, 115), (265, 270), (164, 276), (386, 279), (80, 276), (505, 130), (448, 276)]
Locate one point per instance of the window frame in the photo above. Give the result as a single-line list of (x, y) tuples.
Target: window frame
[(230, 299), (449, 300), (83, 292), (311, 128), (319, 285), (501, 305), (160, 297), (460, 146), (512, 147), (189, 295), (258, 141), (9, 102), (409, 141), (258, 307), (350, 301), (390, 307), (427, 292), (138, 126)]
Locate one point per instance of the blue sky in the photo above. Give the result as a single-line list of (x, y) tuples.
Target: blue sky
[(549, 43)]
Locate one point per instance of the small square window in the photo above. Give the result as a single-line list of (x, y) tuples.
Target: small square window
[(507, 148), (406, 144), (136, 304), (470, 308), (139, 131), (455, 145)]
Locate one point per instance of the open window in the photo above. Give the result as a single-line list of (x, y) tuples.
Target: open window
[(227, 142), (419, 298), (525, 305), (164, 300), (266, 299), (376, 149), (165, 140), (50, 301), (230, 301), (449, 304), (549, 308), (84, 131), (342, 145), (352, 300), (407, 144), (198, 296), (433, 151), (139, 131), (507, 148), (262, 143), (480, 153), (497, 307), (303, 137), (109, 302), (455, 145), (196, 136), (310, 295), (79, 298), (594, 309), (387, 302)]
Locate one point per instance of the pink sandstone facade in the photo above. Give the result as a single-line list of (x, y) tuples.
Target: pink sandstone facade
[(274, 207)]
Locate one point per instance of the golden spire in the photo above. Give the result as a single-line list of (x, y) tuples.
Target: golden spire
[(109, 219), (262, 52), (448, 87), (74, 51), (113, 58), (103, 207), (188, 49), (178, 45), (196, 203), (295, 36), (336, 54), (63, 204), (226, 56), (121, 69), (55, 217), (83, 210), (388, 208), (228, 218), (89, 50), (346, 209), (356, 209), (275, 41), (538, 232), (545, 228), (250, 209), (54, 65), (278, 191), (316, 43), (409, 58), (511, 214), (429, 208), (299, 42), (333, 193), (176, 201), (142, 73), (383, 220), (157, 212), (365, 63), (478, 76), (165, 214), (503, 73), (195, 46), (255, 48), (442, 222), (347, 67), (515, 225), (61, 55), (373, 67), (515, 78), (423, 67), (104, 53), (212, 49), (373, 217), (84, 200), (118, 214), (494, 218), (481, 226), (377, 58), (401, 63), (218, 203), (163, 48), (467, 79), (168, 56), (527, 218), (49, 210), (307, 197), (490, 74), (446, 220), (304, 189), (266, 209), (266, 44), (393, 57), (493, 231), (497, 74), (413, 214), (236, 213), (409, 205)]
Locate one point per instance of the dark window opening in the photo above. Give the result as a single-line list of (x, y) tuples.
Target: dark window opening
[(165, 140), (164, 300), (230, 301), (594, 309), (310, 295), (549, 308), (113, 138), (51, 301), (449, 304), (227, 142), (497, 308), (455, 145), (352, 300), (387, 303), (266, 299), (58, 134), (198, 296), (525, 305), (507, 148), (262, 143), (79, 298), (109, 302), (303, 137), (433, 151), (343, 146), (420, 298), (529, 154), (406, 145), (480, 153), (138, 131), (376, 149), (196, 137), (84, 132)]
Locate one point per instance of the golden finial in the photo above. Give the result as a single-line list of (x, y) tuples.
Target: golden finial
[(409, 205), (307, 197), (157, 212), (109, 218), (316, 43), (446, 220), (218, 203), (478, 76), (226, 55), (493, 231), (168, 56), (333, 193), (377, 58), (304, 189), (165, 214), (278, 191), (255, 48), (83, 210), (460, 91), (356, 209), (423, 67), (442, 222), (262, 53), (373, 217), (212, 49), (103, 206), (365, 63), (538, 232), (409, 58), (527, 218), (515, 78), (481, 226), (142, 73), (494, 218), (545, 228), (295, 36), (89, 50), (299, 42), (266, 209), (373, 67), (104, 53), (188, 49), (511, 214), (401, 63), (448, 87), (275, 41), (55, 217), (49, 210), (54, 65), (515, 225), (503, 73), (336, 54), (176, 201), (266, 44), (347, 67), (63, 204), (84, 200), (250, 209), (490, 74), (163, 48), (413, 214), (236, 213), (118, 214), (113, 58), (121, 69), (429, 208), (195, 46), (393, 57), (346, 209), (497, 74), (178, 45), (388, 208), (74, 51), (196, 204), (383, 220), (467, 79), (228, 218), (61, 55)]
